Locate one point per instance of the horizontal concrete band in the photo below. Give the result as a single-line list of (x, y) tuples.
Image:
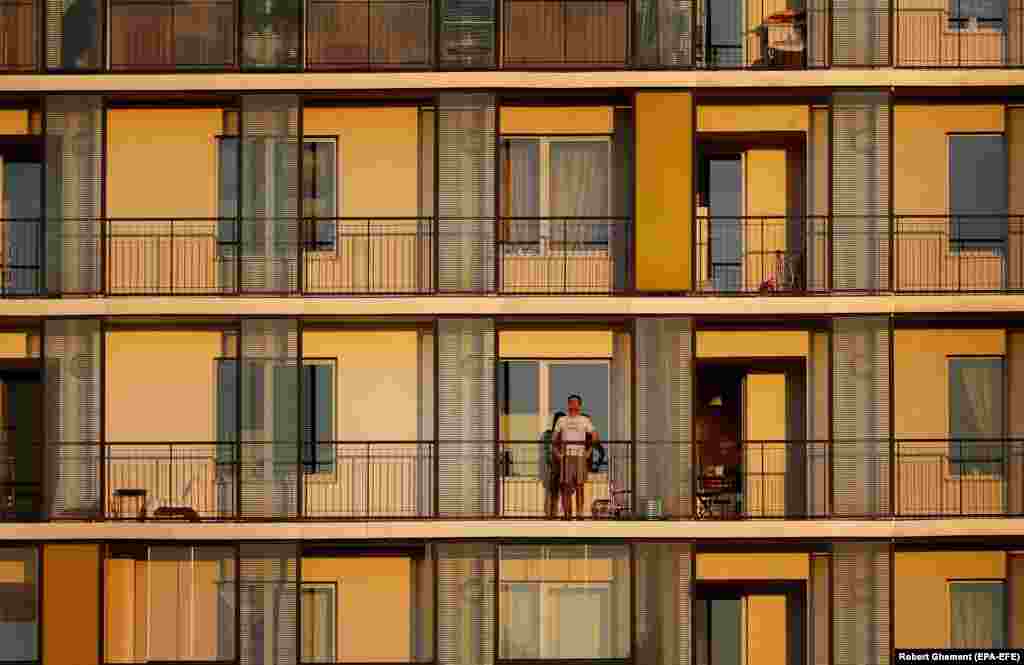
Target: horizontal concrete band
[(553, 306), (994, 528), (224, 82)]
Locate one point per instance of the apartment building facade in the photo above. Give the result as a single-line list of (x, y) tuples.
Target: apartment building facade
[(291, 291)]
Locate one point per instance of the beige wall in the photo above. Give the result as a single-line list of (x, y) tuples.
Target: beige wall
[(921, 619), (752, 118), (374, 606), (760, 566), (555, 120), (751, 344)]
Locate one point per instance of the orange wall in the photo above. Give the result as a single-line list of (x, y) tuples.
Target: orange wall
[(71, 597), (553, 120)]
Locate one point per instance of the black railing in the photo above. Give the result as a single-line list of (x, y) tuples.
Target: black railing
[(172, 34), (369, 34), (564, 254), (954, 35), (539, 34), (766, 36), (762, 254), (21, 257), (958, 253)]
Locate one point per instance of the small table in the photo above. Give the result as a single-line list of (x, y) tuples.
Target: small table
[(176, 512), (138, 495)]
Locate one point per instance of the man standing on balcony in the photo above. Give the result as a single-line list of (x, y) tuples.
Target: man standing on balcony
[(574, 435)]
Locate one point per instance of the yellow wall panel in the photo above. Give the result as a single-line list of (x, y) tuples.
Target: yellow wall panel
[(372, 142), (71, 596), (555, 344), (664, 197), (921, 618), (13, 122), (766, 630), (751, 344), (147, 371), (766, 118), (13, 345), (760, 566), (182, 142), (554, 120)]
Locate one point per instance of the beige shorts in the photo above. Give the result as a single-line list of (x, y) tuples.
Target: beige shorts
[(574, 470)]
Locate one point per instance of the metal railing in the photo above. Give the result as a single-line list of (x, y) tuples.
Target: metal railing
[(550, 255), (541, 34), (21, 257), (951, 36), (369, 34), (172, 34), (958, 253), (762, 254)]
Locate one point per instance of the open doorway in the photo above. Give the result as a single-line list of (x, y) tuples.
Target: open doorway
[(21, 401), (750, 623)]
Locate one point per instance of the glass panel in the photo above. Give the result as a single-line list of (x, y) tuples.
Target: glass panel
[(81, 23), (227, 409), (975, 412), (519, 398), (18, 620), (978, 189), (581, 613), (591, 382), (978, 615), (22, 229), (726, 628), (522, 195), (521, 636), (725, 25), (318, 624), (725, 206), (579, 187), (318, 417)]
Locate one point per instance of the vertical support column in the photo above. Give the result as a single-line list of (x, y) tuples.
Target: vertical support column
[(72, 379), (1015, 171), (819, 427), (816, 244), (664, 598), (466, 191), (71, 627), (270, 375), (1014, 491), (466, 583), (466, 407), (73, 191), (620, 453), (819, 597), (423, 604), (861, 394), (269, 152), (664, 414), (621, 232), (426, 226), (861, 611), (861, 33), (269, 608), (1015, 599), (662, 34), (861, 191), (426, 435)]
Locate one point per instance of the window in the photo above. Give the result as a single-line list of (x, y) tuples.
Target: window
[(977, 610), (317, 408), (319, 189), (556, 194), (978, 184), (976, 415), (970, 15), (319, 627), (19, 624)]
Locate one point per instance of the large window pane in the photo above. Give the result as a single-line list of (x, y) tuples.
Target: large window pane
[(519, 399), (978, 186), (978, 615), (976, 415)]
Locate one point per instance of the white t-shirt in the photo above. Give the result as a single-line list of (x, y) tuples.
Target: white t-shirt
[(574, 430)]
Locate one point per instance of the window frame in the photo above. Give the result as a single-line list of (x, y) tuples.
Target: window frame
[(332, 588), (1004, 587), (312, 241), (955, 447), (545, 243), (971, 21), (958, 243)]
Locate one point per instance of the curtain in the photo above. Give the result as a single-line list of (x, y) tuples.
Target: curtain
[(520, 635), (977, 615), (976, 412), (318, 625), (579, 186), (522, 195)]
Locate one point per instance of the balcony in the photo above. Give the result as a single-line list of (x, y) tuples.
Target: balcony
[(762, 255), (567, 255), (565, 34), (759, 34), (951, 34), (369, 34), (156, 35), (21, 257)]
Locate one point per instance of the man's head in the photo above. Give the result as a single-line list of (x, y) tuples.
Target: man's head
[(575, 402)]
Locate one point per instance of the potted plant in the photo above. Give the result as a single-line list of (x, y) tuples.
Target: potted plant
[(271, 30)]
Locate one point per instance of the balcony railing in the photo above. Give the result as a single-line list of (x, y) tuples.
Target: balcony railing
[(752, 35), (935, 253), (21, 257), (565, 33), (172, 34), (369, 34), (943, 36), (764, 254), (564, 254)]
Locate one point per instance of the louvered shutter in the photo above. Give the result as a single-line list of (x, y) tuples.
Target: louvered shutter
[(269, 604), (466, 438), (860, 33), (664, 391), (72, 367), (465, 604), (861, 153), (860, 603), (860, 408), (270, 193), (819, 600), (664, 590), (621, 236), (662, 30), (466, 163), (74, 176)]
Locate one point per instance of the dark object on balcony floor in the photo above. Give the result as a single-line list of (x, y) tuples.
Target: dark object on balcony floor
[(130, 493), (176, 512)]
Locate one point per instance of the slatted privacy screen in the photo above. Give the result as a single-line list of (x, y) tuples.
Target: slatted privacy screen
[(1015, 429), (819, 429), (268, 610), (819, 186), (620, 462), (465, 611), (860, 603), (466, 163), (819, 602), (861, 154), (664, 589), (860, 33), (819, 33), (72, 369), (466, 402), (270, 418), (270, 193), (623, 141), (662, 30), (664, 390), (467, 34), (1015, 598), (74, 178), (423, 627), (860, 411)]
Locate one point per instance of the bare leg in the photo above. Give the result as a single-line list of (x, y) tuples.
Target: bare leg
[(567, 502), (579, 501)]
